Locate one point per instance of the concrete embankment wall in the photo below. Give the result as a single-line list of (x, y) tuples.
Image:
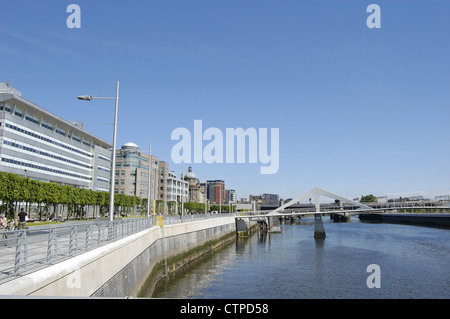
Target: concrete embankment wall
[(431, 220), (127, 266)]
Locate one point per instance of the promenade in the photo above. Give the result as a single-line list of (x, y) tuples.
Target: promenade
[(25, 251)]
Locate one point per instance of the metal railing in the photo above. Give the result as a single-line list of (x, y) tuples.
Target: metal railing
[(25, 251)]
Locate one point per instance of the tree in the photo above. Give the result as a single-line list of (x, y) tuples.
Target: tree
[(15, 189), (368, 199)]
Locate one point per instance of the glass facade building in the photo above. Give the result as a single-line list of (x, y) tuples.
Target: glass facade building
[(132, 168)]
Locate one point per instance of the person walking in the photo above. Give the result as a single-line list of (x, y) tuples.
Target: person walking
[(3, 221), (22, 219)]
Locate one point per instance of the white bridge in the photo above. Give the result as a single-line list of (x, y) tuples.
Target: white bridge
[(268, 217)]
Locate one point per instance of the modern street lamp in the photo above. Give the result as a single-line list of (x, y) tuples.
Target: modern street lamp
[(113, 166), (150, 169)]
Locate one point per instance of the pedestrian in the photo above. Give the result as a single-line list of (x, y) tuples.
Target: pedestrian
[(3, 221), (22, 219)]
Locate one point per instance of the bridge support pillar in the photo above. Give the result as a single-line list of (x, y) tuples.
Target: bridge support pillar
[(341, 218), (274, 225), (319, 230)]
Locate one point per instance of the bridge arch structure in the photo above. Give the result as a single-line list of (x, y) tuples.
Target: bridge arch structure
[(316, 193)]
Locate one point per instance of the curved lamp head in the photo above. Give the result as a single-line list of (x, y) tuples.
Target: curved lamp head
[(85, 97)]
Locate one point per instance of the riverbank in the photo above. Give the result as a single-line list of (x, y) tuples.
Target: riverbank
[(164, 272), (293, 265), (428, 220)]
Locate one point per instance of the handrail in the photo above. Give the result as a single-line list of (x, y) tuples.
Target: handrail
[(25, 251)]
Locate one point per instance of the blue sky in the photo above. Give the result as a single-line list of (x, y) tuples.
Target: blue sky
[(359, 110)]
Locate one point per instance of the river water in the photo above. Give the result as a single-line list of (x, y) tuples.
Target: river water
[(413, 263)]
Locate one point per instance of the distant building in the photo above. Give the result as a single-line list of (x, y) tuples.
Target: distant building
[(256, 198), (195, 194), (177, 189), (265, 199), (244, 200), (132, 172), (216, 191), (230, 195), (271, 199), (163, 177), (38, 144)]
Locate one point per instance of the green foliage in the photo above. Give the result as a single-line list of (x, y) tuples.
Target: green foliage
[(14, 188), (368, 199), (194, 207), (223, 208)]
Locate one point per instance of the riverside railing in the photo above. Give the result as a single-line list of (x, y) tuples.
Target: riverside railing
[(25, 251)]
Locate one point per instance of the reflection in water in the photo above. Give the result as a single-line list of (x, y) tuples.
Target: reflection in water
[(292, 264)]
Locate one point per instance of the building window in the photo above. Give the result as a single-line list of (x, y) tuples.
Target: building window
[(48, 169), (44, 153), (48, 140), (46, 125), (100, 156), (18, 113), (31, 119), (60, 132)]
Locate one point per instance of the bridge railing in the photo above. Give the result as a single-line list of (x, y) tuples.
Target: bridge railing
[(25, 251)]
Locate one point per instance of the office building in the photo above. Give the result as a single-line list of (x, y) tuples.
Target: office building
[(230, 195), (40, 145), (271, 199), (132, 168), (163, 175), (216, 191)]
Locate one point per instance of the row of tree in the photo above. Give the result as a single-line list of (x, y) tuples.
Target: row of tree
[(51, 198), (200, 207)]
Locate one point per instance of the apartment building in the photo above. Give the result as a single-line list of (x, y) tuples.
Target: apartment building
[(171, 188), (216, 191)]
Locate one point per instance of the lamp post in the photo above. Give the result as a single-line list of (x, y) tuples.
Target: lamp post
[(150, 168), (113, 165)]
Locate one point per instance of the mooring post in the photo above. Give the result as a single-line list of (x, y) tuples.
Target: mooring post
[(241, 228)]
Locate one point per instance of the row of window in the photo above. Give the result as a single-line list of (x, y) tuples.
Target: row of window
[(39, 152), (48, 169), (46, 139), (101, 168), (102, 179), (44, 124), (102, 157)]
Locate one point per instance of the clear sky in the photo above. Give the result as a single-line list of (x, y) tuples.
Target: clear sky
[(359, 110)]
